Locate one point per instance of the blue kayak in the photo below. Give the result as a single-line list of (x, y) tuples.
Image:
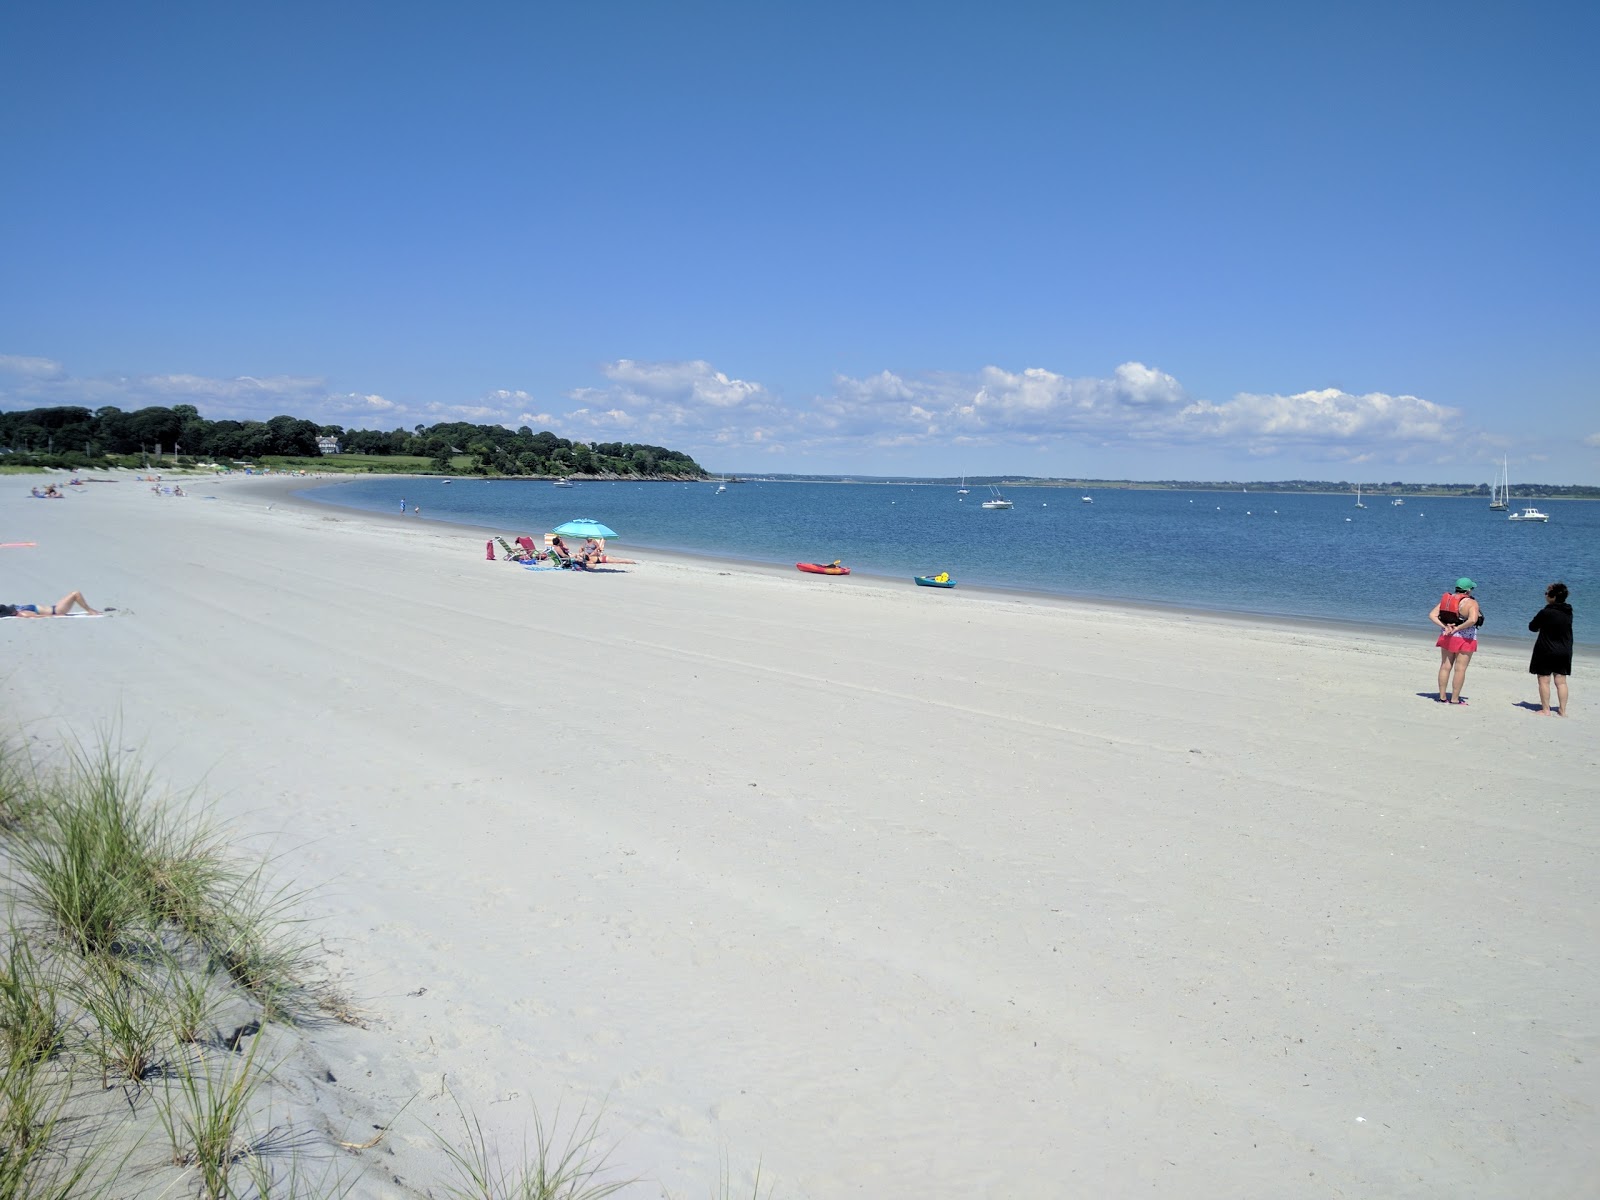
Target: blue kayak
[(930, 581)]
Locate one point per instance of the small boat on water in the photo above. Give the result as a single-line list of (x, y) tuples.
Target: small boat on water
[(1358, 497), (1088, 499), (997, 501), (1529, 514), (941, 580), (561, 483), (1500, 489), (833, 568), (1396, 502)]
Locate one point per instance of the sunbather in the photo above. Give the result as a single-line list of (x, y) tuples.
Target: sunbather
[(60, 608)]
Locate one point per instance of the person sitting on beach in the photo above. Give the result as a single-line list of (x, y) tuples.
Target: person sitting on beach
[(591, 552), (60, 608), (1458, 616)]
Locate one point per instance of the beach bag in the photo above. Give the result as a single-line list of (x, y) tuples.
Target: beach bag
[(8, 610)]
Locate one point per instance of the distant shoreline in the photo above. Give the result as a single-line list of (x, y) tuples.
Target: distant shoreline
[(1420, 490)]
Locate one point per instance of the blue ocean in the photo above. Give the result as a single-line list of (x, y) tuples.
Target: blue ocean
[(1249, 552)]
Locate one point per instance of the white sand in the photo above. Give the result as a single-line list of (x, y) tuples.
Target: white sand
[(903, 894)]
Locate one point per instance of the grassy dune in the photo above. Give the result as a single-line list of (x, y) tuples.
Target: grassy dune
[(153, 986)]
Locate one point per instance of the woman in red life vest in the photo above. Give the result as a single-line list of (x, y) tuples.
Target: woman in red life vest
[(1458, 616)]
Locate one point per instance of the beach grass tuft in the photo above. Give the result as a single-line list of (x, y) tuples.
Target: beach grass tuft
[(79, 857), (204, 1108), (568, 1169), (256, 937), (128, 1018), (33, 1098), (30, 1018)]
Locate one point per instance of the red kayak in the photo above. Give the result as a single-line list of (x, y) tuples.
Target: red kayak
[(832, 568)]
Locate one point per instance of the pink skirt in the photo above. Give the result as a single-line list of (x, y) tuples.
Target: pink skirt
[(1454, 643)]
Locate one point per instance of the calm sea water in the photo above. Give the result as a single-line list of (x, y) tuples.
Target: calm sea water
[(1248, 552)]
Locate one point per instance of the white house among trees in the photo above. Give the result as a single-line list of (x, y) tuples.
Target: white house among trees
[(328, 445)]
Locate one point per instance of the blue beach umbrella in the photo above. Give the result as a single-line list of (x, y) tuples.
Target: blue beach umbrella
[(585, 528)]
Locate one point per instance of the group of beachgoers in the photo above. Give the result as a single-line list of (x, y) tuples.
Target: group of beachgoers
[(1459, 616), (50, 492), (556, 552)]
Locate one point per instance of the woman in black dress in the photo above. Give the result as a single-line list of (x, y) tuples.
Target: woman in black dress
[(1552, 653)]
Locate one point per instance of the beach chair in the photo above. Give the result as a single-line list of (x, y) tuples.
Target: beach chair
[(511, 555), (527, 544)]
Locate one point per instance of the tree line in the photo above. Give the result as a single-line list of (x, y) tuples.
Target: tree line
[(71, 436)]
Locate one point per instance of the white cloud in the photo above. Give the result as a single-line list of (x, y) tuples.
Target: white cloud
[(41, 382), (691, 403), (1328, 417), (354, 402), (30, 368), (1135, 404)]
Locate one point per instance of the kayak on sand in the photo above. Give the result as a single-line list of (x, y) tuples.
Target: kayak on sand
[(833, 568)]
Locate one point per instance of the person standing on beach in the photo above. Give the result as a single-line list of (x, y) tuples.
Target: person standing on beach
[(402, 506), (1552, 653), (1458, 616)]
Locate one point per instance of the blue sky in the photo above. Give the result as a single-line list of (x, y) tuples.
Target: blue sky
[(1148, 240)]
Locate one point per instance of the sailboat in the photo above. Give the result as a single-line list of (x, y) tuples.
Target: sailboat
[(1358, 497), (962, 490), (1500, 493)]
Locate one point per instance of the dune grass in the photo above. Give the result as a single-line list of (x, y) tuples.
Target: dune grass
[(204, 1110), (570, 1168), (127, 912), (130, 930)]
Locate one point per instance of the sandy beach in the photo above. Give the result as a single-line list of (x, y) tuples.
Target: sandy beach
[(895, 893)]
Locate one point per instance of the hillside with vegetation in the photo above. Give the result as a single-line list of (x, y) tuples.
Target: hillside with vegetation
[(75, 437)]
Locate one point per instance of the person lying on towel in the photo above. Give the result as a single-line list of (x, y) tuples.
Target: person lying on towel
[(60, 608)]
